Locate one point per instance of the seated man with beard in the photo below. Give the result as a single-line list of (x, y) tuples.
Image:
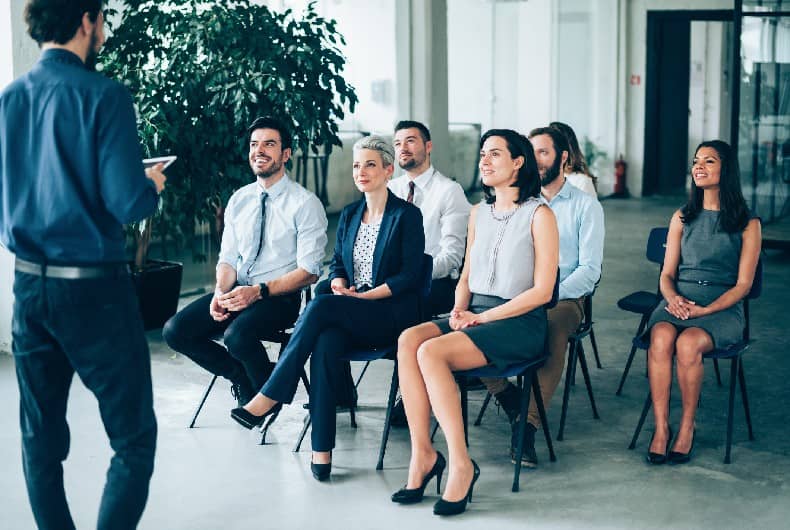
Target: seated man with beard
[(581, 226)]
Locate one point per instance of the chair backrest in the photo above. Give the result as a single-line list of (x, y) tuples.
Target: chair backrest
[(657, 245), (555, 294), (754, 292)]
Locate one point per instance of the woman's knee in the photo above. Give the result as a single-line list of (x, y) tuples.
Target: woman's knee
[(430, 354), (662, 341), (689, 349)]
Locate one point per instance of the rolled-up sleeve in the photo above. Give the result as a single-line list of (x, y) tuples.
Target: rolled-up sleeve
[(412, 243), (453, 220), (582, 279), (311, 225), (229, 247), (126, 191)]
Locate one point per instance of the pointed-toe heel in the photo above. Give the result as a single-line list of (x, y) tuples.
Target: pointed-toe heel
[(443, 507), (676, 458), (249, 420), (415, 495), (321, 472), (657, 459)]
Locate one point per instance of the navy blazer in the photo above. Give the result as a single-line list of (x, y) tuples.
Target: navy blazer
[(397, 258)]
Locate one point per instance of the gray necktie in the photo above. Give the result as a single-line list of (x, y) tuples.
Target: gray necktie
[(247, 267)]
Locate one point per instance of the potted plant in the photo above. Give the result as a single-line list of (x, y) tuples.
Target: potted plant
[(201, 71)]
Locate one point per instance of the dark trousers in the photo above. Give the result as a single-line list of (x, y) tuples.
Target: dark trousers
[(243, 360), (442, 297), (92, 327), (329, 326)]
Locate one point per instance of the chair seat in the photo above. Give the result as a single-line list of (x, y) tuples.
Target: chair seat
[(641, 302), (372, 354), (510, 371)]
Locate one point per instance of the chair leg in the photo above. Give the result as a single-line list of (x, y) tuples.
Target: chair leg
[(730, 406), (308, 420), (435, 428), (595, 348), (716, 369), (586, 374), (464, 408), (645, 410), (544, 422), (567, 390), (639, 331), (486, 401), (202, 401), (362, 373), (305, 382), (522, 424), (390, 404), (745, 400)]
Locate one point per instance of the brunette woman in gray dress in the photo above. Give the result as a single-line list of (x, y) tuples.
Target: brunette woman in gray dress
[(711, 255), (498, 316)]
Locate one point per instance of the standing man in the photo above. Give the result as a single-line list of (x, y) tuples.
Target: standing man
[(70, 176), (272, 246), (581, 225), (445, 210)]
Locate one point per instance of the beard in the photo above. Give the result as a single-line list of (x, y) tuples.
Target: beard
[(266, 173), (413, 162), (552, 172)]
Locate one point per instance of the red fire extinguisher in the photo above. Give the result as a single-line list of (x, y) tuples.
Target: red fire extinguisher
[(620, 166)]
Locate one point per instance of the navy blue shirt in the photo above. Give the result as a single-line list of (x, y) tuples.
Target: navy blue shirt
[(70, 164)]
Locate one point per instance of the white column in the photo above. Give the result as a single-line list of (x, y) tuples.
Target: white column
[(421, 44), (18, 52)]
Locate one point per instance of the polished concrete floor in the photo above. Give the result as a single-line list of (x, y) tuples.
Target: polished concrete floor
[(216, 476)]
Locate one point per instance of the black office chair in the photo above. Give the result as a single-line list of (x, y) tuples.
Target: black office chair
[(734, 353), (643, 302), (390, 353), (280, 337)]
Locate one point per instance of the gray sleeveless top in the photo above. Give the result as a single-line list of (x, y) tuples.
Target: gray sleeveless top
[(708, 253), (503, 253)]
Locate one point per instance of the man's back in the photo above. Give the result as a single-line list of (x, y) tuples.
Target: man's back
[(70, 164)]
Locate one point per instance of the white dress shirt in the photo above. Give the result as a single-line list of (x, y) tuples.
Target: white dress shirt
[(445, 216), (584, 183), (294, 231)]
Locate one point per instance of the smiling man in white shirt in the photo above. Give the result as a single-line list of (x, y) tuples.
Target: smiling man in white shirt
[(272, 246), (445, 210)]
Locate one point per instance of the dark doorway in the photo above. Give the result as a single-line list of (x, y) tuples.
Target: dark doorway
[(667, 98)]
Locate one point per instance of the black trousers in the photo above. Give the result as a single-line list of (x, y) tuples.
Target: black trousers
[(244, 359), (92, 327), (329, 326), (442, 297)]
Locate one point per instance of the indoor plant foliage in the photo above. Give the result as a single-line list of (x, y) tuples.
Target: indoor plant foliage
[(200, 72)]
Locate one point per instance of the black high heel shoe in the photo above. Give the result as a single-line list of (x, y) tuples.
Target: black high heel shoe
[(412, 496), (443, 507), (320, 472), (249, 420), (676, 458), (657, 459)]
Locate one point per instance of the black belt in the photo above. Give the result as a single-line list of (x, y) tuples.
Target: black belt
[(708, 283), (72, 272)]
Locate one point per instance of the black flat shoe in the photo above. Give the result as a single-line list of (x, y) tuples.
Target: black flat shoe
[(657, 459), (676, 458), (443, 507), (320, 472), (412, 496), (249, 420)]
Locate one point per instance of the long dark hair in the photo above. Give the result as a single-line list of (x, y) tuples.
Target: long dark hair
[(734, 214), (528, 178), (576, 161)]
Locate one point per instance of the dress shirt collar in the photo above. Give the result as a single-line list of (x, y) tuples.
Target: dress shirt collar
[(565, 191), (277, 189), (61, 55), (422, 180)]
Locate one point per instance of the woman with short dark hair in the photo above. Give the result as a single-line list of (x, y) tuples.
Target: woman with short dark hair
[(498, 317)]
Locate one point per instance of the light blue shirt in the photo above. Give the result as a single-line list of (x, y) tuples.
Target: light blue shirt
[(581, 226), (294, 231)]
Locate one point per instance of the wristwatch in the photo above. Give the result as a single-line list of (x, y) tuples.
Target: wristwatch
[(264, 290)]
